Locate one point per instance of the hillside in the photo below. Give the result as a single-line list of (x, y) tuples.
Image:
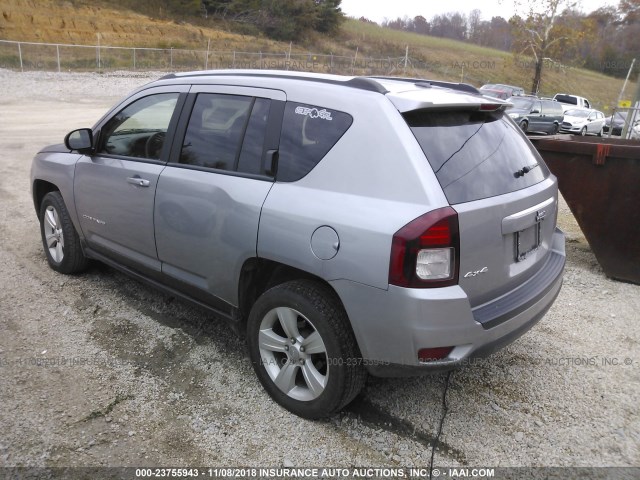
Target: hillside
[(360, 48)]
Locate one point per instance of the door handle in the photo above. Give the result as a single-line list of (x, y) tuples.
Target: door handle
[(140, 182)]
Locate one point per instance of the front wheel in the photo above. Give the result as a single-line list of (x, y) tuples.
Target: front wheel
[(583, 132), (59, 237), (524, 125), (303, 349)]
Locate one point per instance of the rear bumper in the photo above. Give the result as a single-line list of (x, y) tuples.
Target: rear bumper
[(392, 325)]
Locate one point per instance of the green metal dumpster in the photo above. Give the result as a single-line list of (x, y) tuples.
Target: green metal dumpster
[(600, 180)]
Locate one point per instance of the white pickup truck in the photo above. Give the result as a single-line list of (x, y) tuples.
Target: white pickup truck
[(571, 101)]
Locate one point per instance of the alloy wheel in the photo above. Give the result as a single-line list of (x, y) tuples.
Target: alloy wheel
[(293, 354), (53, 234)]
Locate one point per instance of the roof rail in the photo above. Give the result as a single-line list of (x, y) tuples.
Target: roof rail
[(463, 87), (361, 83)]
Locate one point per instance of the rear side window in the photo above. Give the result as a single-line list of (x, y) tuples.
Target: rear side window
[(551, 108), (308, 133), (475, 154), (226, 132)]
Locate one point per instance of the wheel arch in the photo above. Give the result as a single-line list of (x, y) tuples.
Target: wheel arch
[(258, 275), (40, 189)]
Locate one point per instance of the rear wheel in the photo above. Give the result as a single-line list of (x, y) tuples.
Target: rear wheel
[(556, 129), (59, 237), (303, 349)]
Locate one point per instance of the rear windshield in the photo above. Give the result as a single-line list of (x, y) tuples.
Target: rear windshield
[(475, 154), (566, 99)]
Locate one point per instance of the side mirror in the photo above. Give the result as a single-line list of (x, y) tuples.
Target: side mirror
[(80, 140)]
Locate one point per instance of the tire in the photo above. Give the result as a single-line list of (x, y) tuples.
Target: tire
[(59, 237), (556, 129), (279, 329), (583, 132), (601, 132), (524, 125)]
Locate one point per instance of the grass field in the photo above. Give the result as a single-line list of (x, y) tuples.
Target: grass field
[(360, 48)]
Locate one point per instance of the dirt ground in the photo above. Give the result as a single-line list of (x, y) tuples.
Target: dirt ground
[(99, 370)]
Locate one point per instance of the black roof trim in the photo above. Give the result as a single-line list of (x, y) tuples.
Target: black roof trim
[(361, 83), (463, 87)]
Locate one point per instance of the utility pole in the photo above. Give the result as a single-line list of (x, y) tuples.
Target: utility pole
[(634, 114), (624, 85)]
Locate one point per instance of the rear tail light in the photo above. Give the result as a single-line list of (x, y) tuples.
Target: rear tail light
[(490, 107), (425, 252)]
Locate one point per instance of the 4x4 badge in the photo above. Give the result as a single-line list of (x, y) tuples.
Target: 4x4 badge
[(476, 272)]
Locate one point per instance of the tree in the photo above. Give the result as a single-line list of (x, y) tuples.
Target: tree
[(630, 11), (280, 19), (474, 25), (420, 25), (329, 16), (537, 33)]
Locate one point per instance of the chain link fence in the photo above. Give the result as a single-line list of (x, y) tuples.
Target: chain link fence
[(30, 56)]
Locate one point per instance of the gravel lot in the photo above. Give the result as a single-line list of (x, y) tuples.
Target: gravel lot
[(99, 370)]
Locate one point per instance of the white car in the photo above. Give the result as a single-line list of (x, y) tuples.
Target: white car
[(581, 121), (635, 131)]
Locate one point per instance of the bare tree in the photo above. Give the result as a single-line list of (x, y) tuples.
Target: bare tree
[(537, 33), (474, 22)]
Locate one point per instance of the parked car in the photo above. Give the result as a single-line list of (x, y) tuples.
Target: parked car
[(635, 131), (571, 101), (619, 119), (344, 225), (501, 91), (536, 115), (583, 122)]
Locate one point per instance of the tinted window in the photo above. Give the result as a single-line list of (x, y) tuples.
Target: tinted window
[(139, 130), (474, 154), (215, 131), (251, 154), (308, 133), (566, 99), (551, 108)]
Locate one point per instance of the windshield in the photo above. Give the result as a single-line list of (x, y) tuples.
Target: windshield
[(577, 113), (475, 154), (521, 103)]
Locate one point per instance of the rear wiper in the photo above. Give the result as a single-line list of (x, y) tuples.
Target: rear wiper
[(524, 170)]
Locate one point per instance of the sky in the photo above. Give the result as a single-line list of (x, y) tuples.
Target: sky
[(378, 10)]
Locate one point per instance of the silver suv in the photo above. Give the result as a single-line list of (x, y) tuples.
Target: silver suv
[(345, 225)]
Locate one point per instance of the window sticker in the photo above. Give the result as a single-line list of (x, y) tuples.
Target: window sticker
[(314, 113)]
